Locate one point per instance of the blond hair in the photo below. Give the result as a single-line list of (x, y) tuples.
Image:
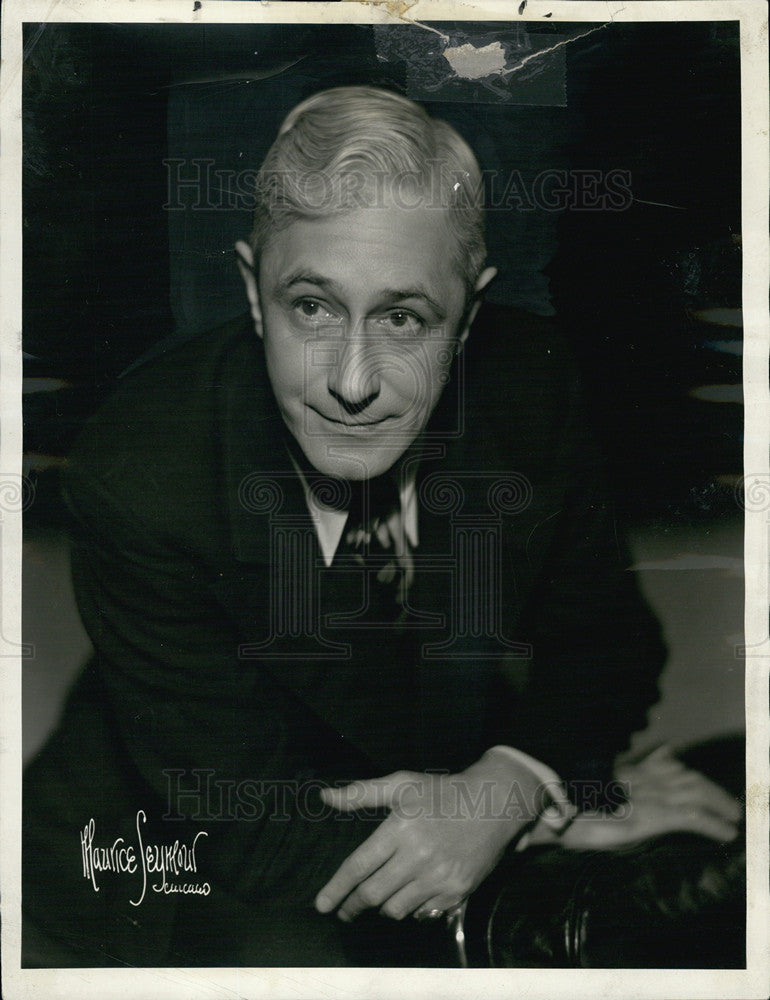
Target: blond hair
[(346, 147)]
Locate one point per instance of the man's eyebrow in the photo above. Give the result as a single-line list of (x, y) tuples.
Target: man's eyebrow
[(301, 277), (387, 295), (398, 294)]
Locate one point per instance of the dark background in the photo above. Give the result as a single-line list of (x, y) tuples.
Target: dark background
[(108, 271)]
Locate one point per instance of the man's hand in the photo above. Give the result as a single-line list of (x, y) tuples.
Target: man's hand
[(664, 796), (443, 836)]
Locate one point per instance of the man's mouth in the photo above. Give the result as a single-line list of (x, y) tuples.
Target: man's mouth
[(351, 424)]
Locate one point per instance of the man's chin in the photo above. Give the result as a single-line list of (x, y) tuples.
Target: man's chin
[(352, 460)]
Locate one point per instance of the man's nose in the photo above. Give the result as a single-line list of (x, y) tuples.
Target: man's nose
[(355, 381)]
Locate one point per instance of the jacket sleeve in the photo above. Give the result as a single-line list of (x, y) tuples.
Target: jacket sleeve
[(199, 732)]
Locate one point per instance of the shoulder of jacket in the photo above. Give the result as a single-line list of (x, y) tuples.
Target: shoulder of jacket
[(179, 346), (160, 430)]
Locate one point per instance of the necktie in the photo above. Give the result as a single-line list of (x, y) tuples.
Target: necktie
[(374, 537)]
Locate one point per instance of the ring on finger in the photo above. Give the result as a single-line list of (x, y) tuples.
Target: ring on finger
[(433, 914)]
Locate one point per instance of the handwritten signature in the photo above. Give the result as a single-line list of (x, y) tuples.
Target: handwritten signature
[(165, 860)]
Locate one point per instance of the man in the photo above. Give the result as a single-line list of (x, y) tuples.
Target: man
[(358, 605)]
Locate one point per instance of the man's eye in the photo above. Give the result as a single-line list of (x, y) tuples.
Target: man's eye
[(312, 311), (403, 322)]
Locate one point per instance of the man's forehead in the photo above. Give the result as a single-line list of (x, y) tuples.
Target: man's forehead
[(398, 249)]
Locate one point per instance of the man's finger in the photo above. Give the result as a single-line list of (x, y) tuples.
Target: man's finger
[(359, 865), (712, 796), (375, 890), (406, 901), (374, 793), (705, 823)]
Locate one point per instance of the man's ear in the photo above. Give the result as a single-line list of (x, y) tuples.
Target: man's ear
[(485, 278), (246, 267)]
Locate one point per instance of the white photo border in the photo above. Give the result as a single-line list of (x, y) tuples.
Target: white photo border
[(385, 983)]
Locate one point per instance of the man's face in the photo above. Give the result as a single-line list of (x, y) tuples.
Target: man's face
[(361, 315)]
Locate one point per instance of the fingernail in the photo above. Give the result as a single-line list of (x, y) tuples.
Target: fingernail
[(323, 903), (344, 917)]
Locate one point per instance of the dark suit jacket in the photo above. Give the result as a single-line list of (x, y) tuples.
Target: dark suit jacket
[(212, 708)]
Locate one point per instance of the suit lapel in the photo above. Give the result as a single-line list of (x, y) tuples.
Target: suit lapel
[(272, 589), (260, 485)]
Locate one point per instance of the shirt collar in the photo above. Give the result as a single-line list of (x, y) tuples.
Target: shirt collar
[(329, 522)]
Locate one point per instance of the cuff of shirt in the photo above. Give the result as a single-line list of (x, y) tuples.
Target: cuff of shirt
[(556, 811)]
